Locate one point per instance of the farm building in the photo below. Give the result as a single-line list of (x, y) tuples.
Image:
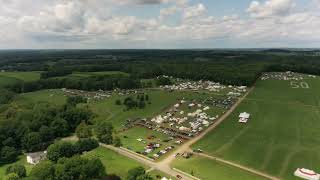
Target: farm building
[(35, 158), (307, 174), (244, 117)]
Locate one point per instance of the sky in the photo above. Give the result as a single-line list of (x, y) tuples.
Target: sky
[(159, 24)]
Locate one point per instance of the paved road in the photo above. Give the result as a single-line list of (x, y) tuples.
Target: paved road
[(164, 165)]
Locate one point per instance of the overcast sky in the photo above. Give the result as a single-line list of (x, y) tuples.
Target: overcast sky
[(114, 24)]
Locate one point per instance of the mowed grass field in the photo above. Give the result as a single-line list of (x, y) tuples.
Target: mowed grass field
[(114, 162), (282, 134), (207, 169)]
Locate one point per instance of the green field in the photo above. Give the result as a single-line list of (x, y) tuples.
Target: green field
[(88, 74), (23, 76), (282, 134), (114, 162), (207, 169), (28, 100)]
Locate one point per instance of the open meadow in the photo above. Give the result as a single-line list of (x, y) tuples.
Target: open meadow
[(23, 76), (282, 133), (207, 169)]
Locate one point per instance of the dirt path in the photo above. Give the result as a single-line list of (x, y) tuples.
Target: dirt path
[(239, 166)]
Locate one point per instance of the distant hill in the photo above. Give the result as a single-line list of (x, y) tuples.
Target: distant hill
[(277, 50)]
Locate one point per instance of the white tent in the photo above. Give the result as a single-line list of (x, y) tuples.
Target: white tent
[(244, 117), (307, 174)]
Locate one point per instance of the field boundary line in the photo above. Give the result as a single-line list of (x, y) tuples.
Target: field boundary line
[(187, 174), (253, 171)]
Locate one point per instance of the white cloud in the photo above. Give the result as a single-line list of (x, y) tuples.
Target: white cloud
[(81, 22), (194, 11), (270, 8), (168, 11)]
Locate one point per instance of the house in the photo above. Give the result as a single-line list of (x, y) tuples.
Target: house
[(35, 158), (307, 174), (244, 117)]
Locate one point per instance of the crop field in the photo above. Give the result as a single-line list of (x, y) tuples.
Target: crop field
[(114, 162), (282, 133), (206, 169)]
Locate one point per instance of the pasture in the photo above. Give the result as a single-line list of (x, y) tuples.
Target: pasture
[(282, 134), (207, 169)]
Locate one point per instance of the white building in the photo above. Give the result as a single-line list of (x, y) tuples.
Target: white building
[(307, 174), (35, 158), (244, 117)]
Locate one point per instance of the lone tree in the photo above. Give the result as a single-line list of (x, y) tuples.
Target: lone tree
[(104, 132), (134, 173), (83, 130), (117, 142)]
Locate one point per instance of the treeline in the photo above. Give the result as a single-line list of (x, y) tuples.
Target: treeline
[(31, 130), (238, 67), (108, 82)]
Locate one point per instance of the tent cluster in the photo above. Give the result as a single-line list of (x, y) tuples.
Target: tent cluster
[(90, 95), (196, 85), (190, 123), (285, 76)]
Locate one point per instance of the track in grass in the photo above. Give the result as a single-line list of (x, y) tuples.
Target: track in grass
[(282, 135)]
